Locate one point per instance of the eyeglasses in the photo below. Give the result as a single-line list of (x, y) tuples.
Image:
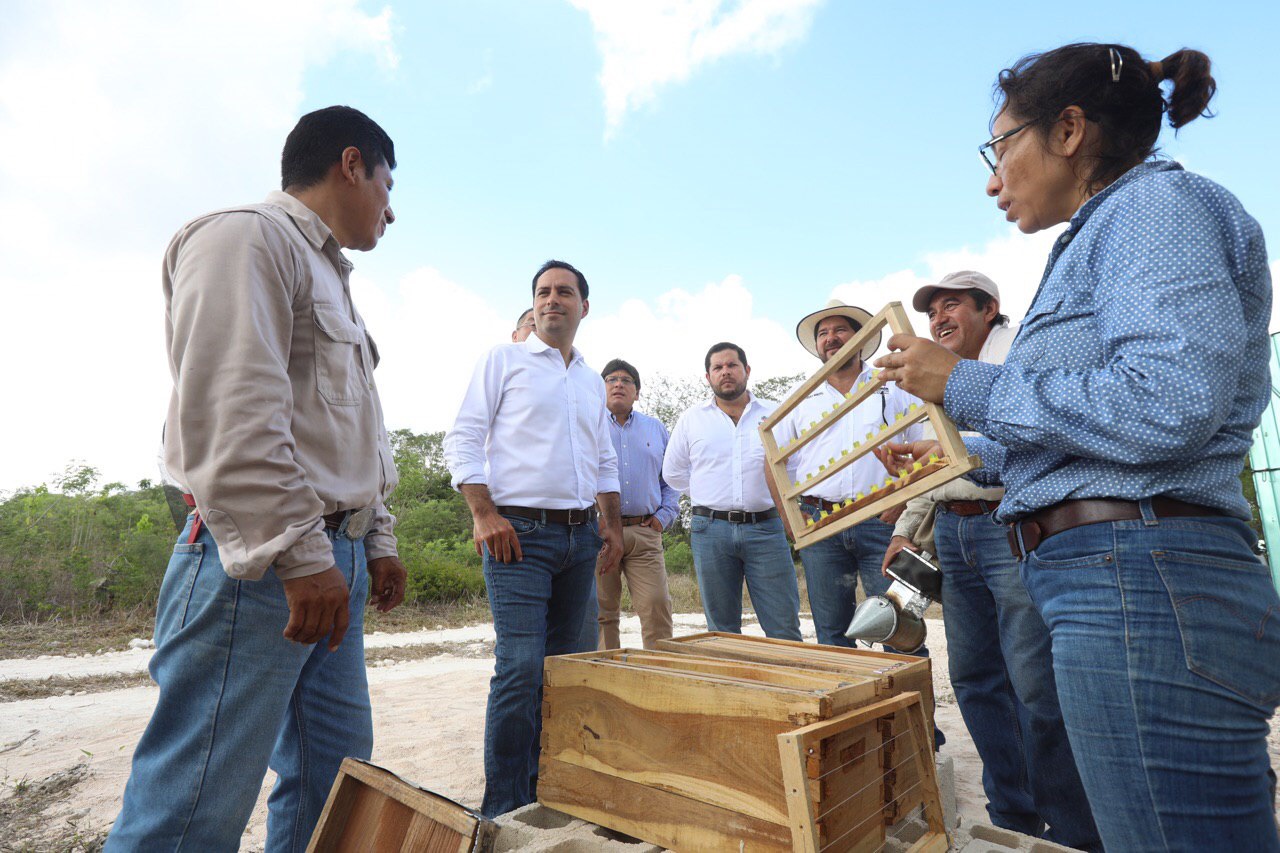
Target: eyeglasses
[(619, 380), (987, 150)]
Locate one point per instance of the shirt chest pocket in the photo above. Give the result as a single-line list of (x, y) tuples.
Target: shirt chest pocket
[(340, 376), (1061, 333)]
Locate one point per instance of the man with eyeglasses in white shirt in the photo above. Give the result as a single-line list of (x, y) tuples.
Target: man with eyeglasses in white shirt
[(530, 451), (715, 455)]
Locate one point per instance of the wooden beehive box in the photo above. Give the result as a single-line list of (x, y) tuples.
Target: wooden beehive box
[(681, 749), (892, 674), (372, 810)]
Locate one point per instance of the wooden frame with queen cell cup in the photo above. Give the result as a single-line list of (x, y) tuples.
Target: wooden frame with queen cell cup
[(897, 488)]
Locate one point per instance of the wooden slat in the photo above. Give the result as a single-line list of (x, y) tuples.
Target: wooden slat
[(650, 814), (851, 401), (900, 482), (850, 455)]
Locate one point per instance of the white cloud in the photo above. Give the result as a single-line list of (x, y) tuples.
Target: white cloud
[(645, 45), (122, 121), (1015, 262)]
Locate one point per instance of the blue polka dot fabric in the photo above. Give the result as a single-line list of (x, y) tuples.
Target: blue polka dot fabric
[(1141, 368)]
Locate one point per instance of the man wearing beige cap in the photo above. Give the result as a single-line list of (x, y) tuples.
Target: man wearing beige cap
[(997, 643), (832, 567)]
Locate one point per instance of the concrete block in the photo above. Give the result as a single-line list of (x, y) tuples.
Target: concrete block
[(538, 829), (947, 791), (985, 838)]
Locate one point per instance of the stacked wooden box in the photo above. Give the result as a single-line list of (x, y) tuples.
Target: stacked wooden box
[(680, 746)]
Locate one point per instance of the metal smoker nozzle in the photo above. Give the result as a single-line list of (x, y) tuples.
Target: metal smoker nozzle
[(896, 618)]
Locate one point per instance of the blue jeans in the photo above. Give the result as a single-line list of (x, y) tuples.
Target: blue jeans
[(589, 639), (725, 554), (236, 697), (1002, 672), (1166, 650), (538, 605)]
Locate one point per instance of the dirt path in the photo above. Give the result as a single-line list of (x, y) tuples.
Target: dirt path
[(428, 727)]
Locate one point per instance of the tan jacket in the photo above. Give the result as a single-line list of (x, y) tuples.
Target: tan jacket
[(275, 419)]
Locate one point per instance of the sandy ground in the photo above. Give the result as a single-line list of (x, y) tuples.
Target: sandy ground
[(428, 723)]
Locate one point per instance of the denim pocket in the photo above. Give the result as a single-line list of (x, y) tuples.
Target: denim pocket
[(1061, 559), (1228, 621), (520, 524), (339, 376), (175, 589), (698, 523)]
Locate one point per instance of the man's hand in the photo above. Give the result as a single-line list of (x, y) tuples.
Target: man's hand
[(891, 516), (654, 523), (317, 608), (495, 532), (896, 544), (387, 577), (610, 557), (918, 366), (903, 454)]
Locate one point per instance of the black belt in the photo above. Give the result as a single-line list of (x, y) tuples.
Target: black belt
[(1066, 515), (551, 516), (820, 503), (965, 509), (735, 516)]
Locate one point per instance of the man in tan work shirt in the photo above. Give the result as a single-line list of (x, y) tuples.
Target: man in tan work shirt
[(275, 432)]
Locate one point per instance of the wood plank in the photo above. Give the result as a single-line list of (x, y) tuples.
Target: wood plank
[(848, 790), (800, 810), (852, 399), (697, 752), (659, 817), (370, 808), (877, 497), (657, 690), (803, 679)]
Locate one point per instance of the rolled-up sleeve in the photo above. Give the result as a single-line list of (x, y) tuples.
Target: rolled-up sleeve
[(233, 280)]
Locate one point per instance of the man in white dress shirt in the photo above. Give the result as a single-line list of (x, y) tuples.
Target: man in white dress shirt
[(832, 567), (715, 455), (531, 453)]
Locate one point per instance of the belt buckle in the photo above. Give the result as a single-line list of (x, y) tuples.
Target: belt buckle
[(576, 516), (357, 523), (741, 516)]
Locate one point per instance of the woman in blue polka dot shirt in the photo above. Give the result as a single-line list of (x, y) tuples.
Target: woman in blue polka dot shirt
[(1118, 426)]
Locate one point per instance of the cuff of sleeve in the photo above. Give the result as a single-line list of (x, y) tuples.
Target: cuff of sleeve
[(378, 544), (665, 517), (310, 555), (968, 392), (469, 475), (608, 484)]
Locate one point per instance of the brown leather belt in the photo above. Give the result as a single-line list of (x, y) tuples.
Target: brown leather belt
[(819, 503), (633, 520), (735, 516), (551, 516), (965, 509), (332, 521), (1061, 517)]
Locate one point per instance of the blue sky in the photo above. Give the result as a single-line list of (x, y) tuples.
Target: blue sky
[(718, 169)]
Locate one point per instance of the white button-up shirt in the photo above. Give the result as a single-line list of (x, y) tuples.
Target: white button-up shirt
[(533, 430), (869, 417), (719, 464)]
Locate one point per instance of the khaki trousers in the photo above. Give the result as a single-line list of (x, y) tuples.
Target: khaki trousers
[(646, 574)]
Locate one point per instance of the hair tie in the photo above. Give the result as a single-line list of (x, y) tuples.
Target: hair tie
[(1117, 64), (1157, 71)]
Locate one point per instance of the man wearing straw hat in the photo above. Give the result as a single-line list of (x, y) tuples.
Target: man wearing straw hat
[(832, 567)]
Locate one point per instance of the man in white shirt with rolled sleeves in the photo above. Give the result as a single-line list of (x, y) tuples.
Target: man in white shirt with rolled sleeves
[(531, 453), (715, 456)]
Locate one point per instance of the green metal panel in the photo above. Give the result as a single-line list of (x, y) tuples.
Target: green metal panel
[(1264, 458)]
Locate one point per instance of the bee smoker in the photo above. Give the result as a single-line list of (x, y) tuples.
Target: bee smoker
[(896, 618)]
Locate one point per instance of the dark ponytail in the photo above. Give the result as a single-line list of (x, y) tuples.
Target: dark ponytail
[(1193, 85), (1117, 89)]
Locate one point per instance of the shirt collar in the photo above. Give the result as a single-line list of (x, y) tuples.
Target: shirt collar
[(308, 222), (537, 345), (631, 418), (1136, 173), (751, 401)]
